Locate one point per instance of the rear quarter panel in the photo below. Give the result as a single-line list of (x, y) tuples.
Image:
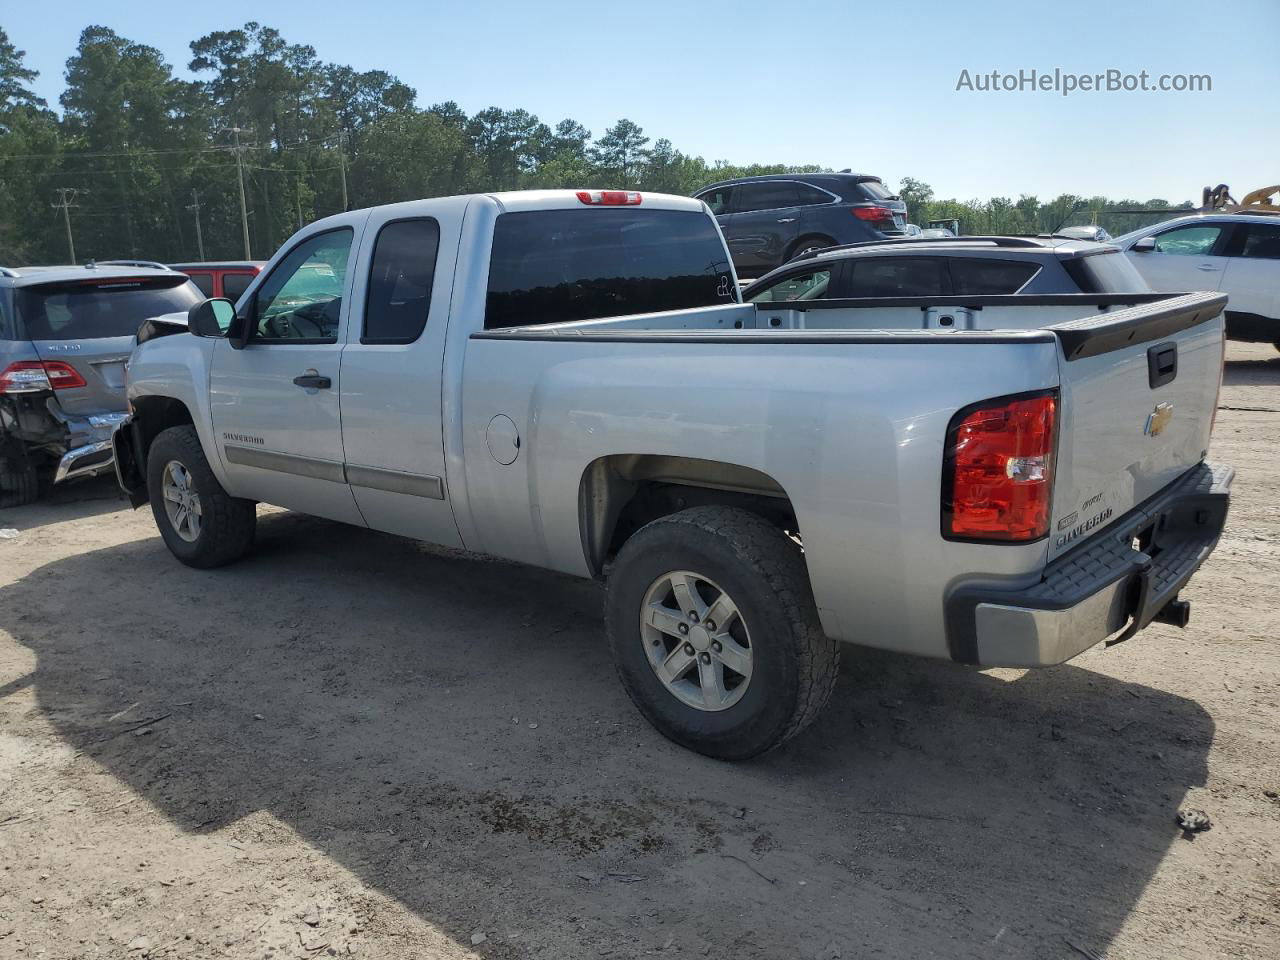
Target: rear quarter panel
[(853, 433)]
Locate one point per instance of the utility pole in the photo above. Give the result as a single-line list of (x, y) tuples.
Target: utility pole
[(195, 205), (342, 165), (65, 197), (244, 214)]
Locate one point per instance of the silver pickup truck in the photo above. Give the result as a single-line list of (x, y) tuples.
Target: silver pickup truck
[(568, 380)]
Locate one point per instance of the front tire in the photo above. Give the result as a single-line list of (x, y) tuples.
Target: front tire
[(732, 688), (201, 524)]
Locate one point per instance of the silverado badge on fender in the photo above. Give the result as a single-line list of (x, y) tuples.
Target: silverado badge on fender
[(1158, 419)]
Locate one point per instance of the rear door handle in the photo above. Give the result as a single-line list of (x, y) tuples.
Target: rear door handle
[(313, 381), (786, 219)]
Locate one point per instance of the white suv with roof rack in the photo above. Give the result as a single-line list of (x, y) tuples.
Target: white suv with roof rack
[(1233, 253)]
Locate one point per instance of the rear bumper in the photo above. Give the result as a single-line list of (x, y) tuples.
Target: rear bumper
[(1106, 588), (92, 452)]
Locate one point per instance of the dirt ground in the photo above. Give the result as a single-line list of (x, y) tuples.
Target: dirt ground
[(350, 744)]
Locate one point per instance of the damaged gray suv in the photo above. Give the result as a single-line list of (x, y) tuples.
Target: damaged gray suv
[(65, 335)]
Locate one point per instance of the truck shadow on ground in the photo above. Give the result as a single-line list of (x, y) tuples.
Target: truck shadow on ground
[(73, 500), (450, 730), (1251, 372)]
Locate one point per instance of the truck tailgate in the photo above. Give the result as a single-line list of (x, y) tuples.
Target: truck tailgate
[(1139, 389)]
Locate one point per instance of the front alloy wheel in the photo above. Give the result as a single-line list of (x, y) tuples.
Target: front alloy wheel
[(181, 501)]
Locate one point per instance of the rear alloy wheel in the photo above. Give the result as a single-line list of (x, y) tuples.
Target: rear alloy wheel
[(696, 640), (714, 632)]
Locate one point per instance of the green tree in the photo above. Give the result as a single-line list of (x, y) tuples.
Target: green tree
[(621, 153)]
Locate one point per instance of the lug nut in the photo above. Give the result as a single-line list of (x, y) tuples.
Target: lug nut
[(715, 645), (688, 649), (711, 626), (683, 628), (693, 617), (705, 658)]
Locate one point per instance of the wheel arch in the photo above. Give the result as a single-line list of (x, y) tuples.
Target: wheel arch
[(151, 415), (620, 493)]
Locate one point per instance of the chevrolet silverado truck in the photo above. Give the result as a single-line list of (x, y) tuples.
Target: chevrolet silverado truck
[(569, 380)]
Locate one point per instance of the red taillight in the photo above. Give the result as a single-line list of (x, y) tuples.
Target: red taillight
[(62, 376), (872, 213), (32, 376), (998, 470), (609, 198)]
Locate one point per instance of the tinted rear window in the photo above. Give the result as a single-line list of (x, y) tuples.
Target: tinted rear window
[(985, 277), (101, 308), (875, 190), (1107, 273), (550, 266), (897, 277)]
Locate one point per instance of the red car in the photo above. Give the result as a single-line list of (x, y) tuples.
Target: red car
[(222, 279)]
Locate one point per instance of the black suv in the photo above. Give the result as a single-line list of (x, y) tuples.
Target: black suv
[(769, 220)]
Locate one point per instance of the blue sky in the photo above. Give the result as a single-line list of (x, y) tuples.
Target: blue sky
[(872, 87)]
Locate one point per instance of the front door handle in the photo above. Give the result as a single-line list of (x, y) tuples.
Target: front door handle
[(313, 381), (786, 219), (1206, 266)]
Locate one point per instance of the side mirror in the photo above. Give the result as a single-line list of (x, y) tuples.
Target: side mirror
[(1145, 245), (211, 318)]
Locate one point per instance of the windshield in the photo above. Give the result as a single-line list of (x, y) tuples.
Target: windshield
[(100, 308), (550, 266)]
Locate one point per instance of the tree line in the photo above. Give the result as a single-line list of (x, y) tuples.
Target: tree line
[(140, 163)]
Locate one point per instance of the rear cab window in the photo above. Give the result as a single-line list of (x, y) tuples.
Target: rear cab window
[(101, 307), (552, 266), (401, 276)]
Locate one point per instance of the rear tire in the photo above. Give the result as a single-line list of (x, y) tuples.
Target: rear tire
[(19, 479), (809, 244), (773, 671), (200, 523)]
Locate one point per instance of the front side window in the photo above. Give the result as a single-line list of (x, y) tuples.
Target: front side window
[(897, 277), (302, 298), (718, 199), (1262, 240), (400, 279), (770, 195), (799, 286), (1195, 241), (989, 277), (550, 266)]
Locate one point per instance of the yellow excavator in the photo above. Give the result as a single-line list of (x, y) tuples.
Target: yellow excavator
[(1219, 200)]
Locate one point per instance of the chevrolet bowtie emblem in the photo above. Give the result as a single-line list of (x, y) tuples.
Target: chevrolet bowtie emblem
[(1158, 419)]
